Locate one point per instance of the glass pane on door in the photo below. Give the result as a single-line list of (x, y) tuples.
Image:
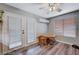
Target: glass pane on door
[(31, 29), (14, 32)]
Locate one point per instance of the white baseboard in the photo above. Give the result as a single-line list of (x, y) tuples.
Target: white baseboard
[(65, 42)]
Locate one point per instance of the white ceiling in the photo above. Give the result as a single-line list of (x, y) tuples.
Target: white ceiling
[(34, 8)]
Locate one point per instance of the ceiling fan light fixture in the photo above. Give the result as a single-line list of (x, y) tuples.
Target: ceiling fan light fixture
[(54, 7), (50, 9)]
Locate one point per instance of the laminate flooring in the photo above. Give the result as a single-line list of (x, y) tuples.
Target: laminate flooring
[(57, 49)]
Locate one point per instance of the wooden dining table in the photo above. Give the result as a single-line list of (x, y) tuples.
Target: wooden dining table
[(46, 39)]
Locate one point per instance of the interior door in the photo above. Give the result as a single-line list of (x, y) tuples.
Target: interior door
[(14, 27)]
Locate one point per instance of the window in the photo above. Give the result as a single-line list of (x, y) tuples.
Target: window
[(59, 27), (65, 27), (69, 27)]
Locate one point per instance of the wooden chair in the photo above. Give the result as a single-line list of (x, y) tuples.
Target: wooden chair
[(42, 40)]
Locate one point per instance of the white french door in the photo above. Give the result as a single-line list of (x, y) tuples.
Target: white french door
[(14, 28), (31, 29)]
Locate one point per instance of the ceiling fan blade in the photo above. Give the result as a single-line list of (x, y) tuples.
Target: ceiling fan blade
[(41, 7), (59, 10)]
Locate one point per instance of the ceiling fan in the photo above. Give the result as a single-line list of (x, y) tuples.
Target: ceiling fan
[(52, 7)]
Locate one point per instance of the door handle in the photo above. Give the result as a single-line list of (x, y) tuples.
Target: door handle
[(22, 31)]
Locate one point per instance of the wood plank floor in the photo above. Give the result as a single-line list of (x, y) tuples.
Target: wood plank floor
[(56, 49)]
